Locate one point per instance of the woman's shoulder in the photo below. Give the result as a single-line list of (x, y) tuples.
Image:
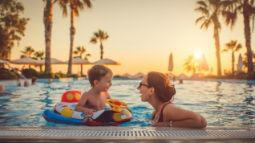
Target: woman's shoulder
[(169, 107), (171, 110)]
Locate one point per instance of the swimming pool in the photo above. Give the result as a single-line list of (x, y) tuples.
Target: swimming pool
[(224, 103)]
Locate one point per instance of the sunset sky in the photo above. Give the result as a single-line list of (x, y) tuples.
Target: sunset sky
[(142, 33)]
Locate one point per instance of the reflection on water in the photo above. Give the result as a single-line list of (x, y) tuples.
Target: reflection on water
[(221, 102)]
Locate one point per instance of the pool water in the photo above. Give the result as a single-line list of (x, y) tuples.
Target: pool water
[(225, 103)]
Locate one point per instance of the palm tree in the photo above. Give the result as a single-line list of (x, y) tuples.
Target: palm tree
[(47, 20), (80, 50), (39, 55), (12, 26), (99, 37), (210, 11), (190, 65), (75, 6), (247, 9), (245, 62), (27, 52), (232, 46)]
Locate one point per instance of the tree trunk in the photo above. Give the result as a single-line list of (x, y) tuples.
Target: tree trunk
[(40, 68), (81, 70), (102, 51), (233, 63), (72, 32), (217, 46), (48, 12), (247, 34)]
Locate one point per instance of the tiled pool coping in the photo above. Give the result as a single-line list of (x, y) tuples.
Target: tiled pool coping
[(124, 134)]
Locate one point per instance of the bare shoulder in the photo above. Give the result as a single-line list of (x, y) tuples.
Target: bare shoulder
[(85, 96), (169, 109), (172, 112), (176, 109), (86, 93)]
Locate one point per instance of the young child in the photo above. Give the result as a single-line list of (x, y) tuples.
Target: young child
[(100, 78)]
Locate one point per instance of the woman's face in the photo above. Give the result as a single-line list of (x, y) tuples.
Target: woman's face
[(144, 90)]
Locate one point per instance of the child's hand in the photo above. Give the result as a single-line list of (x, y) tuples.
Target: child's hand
[(89, 111)]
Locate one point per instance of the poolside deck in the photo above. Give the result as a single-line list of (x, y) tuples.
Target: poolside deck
[(125, 134)]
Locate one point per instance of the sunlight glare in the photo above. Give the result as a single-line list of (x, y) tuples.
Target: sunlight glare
[(198, 54)]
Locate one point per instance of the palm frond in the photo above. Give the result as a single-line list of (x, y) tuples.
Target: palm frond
[(75, 52), (215, 3), (200, 19), (202, 10), (230, 18), (63, 5), (79, 5), (239, 8), (97, 34), (225, 50), (87, 3), (202, 3), (251, 2), (93, 40), (105, 36), (23, 56), (238, 47), (207, 23), (227, 4)]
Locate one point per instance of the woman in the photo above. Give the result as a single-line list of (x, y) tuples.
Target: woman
[(155, 89)]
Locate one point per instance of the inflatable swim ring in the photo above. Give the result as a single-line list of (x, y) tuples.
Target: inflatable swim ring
[(115, 113)]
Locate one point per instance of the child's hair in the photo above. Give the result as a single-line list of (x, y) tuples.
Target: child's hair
[(97, 72)]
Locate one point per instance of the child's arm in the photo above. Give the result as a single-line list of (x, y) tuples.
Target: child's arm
[(80, 106)]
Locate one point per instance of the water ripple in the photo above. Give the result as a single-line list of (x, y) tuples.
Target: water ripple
[(221, 102)]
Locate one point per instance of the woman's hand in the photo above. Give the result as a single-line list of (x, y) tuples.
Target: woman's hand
[(161, 124)]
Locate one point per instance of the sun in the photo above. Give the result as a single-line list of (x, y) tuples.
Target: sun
[(198, 54)]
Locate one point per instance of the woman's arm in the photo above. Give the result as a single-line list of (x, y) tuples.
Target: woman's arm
[(182, 118)]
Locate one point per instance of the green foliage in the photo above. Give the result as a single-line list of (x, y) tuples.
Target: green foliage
[(73, 76), (57, 75), (189, 64), (12, 25), (60, 75), (38, 55), (29, 73), (46, 75), (7, 74), (27, 52), (80, 50), (99, 37)]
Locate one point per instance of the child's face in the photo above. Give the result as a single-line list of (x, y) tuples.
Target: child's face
[(105, 82)]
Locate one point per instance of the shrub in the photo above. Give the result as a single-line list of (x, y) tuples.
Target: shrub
[(44, 75), (29, 73), (73, 76), (5, 74), (60, 75)]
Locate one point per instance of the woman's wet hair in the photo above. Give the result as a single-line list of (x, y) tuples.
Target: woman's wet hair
[(161, 84), (97, 72)]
